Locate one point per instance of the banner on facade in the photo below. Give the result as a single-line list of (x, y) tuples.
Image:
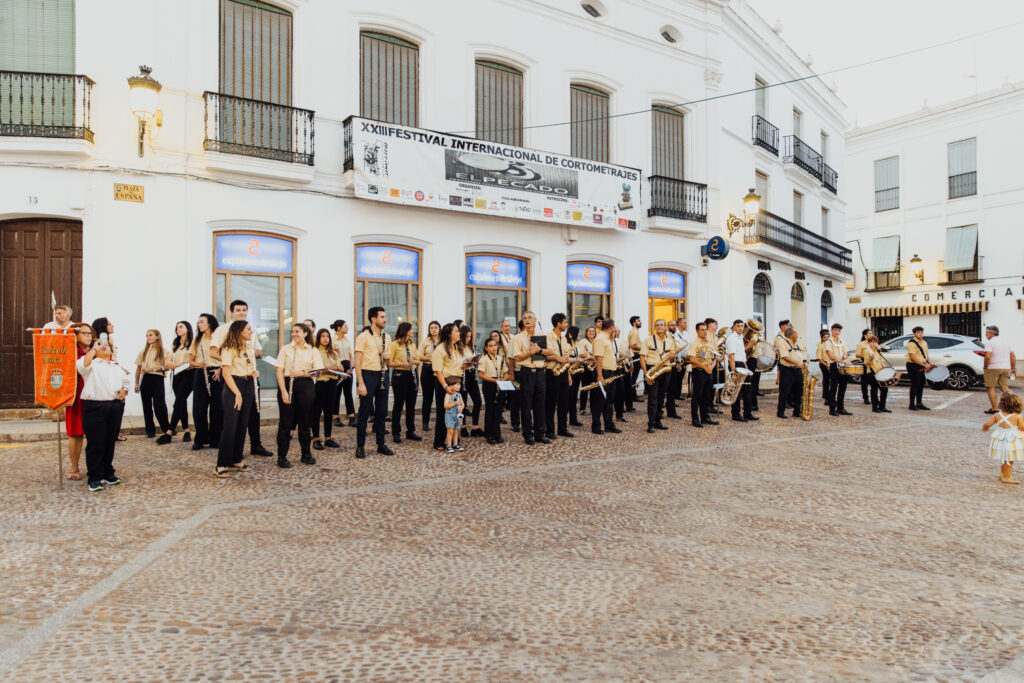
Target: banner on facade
[(55, 374), (418, 167)]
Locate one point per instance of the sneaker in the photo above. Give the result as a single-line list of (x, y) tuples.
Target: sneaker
[(95, 486), (447, 449), (164, 439), (458, 447), (113, 481)]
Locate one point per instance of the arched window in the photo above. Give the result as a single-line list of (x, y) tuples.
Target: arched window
[(826, 304), (589, 129), (389, 84), (796, 293), (499, 103), (762, 290)]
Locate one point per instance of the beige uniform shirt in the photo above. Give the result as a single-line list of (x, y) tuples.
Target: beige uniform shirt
[(427, 347), (822, 356), (838, 349), (147, 360), (558, 344), (344, 348), (586, 347), (917, 351), (860, 351), (703, 350), (239, 364), (449, 365), (180, 356), (785, 348), (873, 359), (521, 344), (655, 349), (372, 347), (221, 333), (398, 352), (201, 349), (604, 351), (492, 367), (295, 359), (326, 361), (633, 339)]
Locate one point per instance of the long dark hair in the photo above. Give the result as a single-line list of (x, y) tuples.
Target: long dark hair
[(331, 353), (446, 339), (307, 333), (573, 333), (211, 322), (188, 335), (99, 326), (233, 341), (433, 322), (465, 332), (403, 329)]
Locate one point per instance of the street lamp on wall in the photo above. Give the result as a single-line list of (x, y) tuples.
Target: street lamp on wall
[(917, 268), (751, 206), (144, 90)]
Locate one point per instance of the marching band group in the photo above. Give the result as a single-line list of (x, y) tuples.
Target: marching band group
[(544, 381)]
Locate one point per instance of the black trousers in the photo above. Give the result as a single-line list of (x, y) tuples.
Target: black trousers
[(471, 390), (744, 398), (826, 383), (864, 387), (428, 381), (232, 441), (375, 401), (700, 400), (602, 406), (574, 396), (878, 392), (656, 399), (151, 387), (255, 440), (345, 390), (325, 400), (791, 390), (630, 393), (754, 381), (512, 404), (440, 432), (297, 415), (531, 401), (589, 377), (621, 393), (674, 389), (916, 373), (837, 387), (207, 410), (101, 422), (492, 411), (182, 384), (557, 397), (404, 389)]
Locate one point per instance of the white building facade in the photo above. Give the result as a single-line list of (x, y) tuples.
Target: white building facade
[(294, 163), (934, 206)]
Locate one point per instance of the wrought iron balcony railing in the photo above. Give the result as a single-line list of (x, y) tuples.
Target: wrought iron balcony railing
[(678, 199), (45, 105), (803, 155), (237, 125), (963, 185), (791, 238), (765, 134), (829, 178)]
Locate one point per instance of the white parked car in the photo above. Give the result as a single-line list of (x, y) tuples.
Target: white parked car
[(963, 355)]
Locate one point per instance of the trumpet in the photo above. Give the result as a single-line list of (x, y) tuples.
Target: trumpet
[(594, 385)]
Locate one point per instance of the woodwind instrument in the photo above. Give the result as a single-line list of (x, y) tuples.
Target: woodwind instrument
[(594, 385), (205, 370)]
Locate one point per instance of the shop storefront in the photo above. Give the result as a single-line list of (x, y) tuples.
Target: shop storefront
[(387, 275), (259, 269), (666, 296), (497, 288), (588, 293)]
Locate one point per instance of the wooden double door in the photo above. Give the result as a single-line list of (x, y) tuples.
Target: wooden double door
[(37, 256)]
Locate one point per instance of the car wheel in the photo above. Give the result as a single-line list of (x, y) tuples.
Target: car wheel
[(959, 378)]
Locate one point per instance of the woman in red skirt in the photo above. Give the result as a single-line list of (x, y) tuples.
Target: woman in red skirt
[(73, 413)]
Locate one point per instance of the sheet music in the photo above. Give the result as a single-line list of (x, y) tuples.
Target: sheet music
[(505, 385)]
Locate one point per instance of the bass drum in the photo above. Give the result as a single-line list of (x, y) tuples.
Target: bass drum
[(765, 355), (938, 374), (887, 377)]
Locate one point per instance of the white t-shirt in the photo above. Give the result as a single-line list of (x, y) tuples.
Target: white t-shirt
[(1000, 351), (54, 325), (734, 345)]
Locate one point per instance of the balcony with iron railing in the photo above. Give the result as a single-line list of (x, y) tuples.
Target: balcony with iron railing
[(963, 185), (829, 178), (680, 199), (798, 152), (236, 125), (777, 232), (765, 135), (43, 105)]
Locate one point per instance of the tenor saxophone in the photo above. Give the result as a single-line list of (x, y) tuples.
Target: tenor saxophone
[(807, 398)]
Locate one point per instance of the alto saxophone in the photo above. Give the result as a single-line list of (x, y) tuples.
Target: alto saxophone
[(807, 398)]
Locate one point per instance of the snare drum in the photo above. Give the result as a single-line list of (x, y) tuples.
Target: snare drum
[(887, 377), (937, 374), (851, 369)]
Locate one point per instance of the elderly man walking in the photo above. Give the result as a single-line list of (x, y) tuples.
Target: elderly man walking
[(1000, 362)]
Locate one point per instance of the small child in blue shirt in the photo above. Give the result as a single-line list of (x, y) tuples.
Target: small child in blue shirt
[(453, 406)]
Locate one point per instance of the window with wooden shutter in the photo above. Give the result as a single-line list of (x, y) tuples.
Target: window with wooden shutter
[(499, 103), (389, 79), (255, 51), (667, 143), (589, 110), (37, 36)]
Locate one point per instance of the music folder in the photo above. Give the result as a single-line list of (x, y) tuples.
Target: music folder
[(541, 341)]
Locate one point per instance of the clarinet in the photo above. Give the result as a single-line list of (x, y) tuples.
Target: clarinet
[(204, 369), (383, 363), (412, 369)]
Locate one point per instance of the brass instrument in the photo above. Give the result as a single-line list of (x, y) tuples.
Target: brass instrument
[(594, 385), (807, 398), (664, 365), (731, 389), (753, 330), (577, 368)]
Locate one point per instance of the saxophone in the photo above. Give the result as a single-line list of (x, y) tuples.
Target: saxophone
[(807, 398)]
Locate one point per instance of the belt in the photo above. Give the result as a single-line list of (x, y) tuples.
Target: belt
[(530, 369), (398, 371), (242, 377), (299, 379)]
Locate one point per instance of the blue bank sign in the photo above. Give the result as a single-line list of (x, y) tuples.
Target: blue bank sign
[(387, 263), (255, 253), (588, 277), (666, 284), (495, 271)]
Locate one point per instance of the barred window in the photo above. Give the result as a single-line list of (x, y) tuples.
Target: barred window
[(963, 168), (389, 79), (887, 184), (667, 127), (499, 103), (255, 51), (590, 131)]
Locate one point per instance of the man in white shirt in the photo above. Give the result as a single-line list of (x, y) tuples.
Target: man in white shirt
[(1000, 362), (677, 377), (62, 315), (105, 384), (737, 355)]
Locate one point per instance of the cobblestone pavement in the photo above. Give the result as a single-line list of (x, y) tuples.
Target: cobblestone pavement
[(864, 547)]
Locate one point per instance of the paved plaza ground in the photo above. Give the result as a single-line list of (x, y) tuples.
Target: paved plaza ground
[(867, 547)]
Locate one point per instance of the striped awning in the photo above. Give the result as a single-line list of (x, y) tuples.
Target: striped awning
[(925, 309)]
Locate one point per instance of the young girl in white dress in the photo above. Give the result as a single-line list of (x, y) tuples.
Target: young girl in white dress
[(1007, 427)]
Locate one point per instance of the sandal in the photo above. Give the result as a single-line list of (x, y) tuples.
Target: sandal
[(75, 475), (221, 472), (122, 437), (241, 467)]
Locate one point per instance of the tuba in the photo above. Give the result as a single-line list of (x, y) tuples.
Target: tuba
[(753, 330), (807, 398)]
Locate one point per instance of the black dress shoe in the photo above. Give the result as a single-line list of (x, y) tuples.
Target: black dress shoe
[(337, 422), (544, 440), (283, 463), (529, 441), (331, 443), (709, 421), (714, 411), (844, 411), (490, 441), (566, 435), (621, 418), (674, 416), (308, 459), (414, 437), (576, 424), (834, 413), (913, 408), (658, 425), (476, 431), (761, 393), (550, 436), (597, 431), (515, 429), (187, 437), (755, 408), (360, 452), (164, 438), (867, 403), (876, 410), (696, 423), (883, 409), (921, 406), (261, 451), (502, 421), (751, 418), (739, 418), (396, 438), (318, 446), (613, 429), (384, 450), (499, 440), (650, 429), (197, 445), (782, 416)]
